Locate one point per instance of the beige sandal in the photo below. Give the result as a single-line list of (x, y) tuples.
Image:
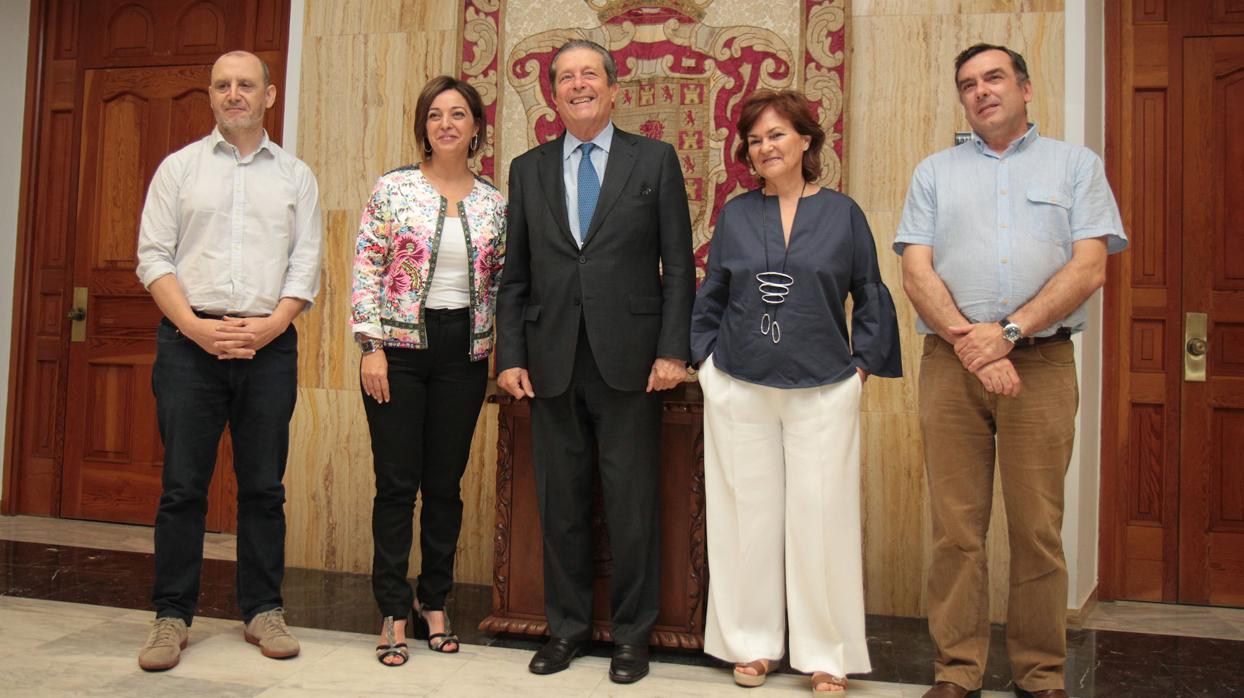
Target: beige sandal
[(762, 667), (837, 685)]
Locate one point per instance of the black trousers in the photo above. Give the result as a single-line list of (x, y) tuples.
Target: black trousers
[(196, 395), (420, 441), (625, 426)]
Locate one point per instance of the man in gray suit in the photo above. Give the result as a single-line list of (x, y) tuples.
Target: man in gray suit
[(592, 320)]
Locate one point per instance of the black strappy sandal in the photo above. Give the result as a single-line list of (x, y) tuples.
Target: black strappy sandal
[(422, 630), (394, 648)]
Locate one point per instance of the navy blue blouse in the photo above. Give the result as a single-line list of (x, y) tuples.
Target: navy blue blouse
[(831, 254)]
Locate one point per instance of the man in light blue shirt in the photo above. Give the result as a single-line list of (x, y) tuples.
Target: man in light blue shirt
[(1003, 240)]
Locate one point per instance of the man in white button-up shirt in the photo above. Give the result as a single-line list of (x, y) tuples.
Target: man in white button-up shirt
[(229, 247)]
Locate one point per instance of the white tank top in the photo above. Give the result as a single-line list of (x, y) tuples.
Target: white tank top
[(450, 283)]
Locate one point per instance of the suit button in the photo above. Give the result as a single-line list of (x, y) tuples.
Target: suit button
[(582, 259), (577, 300)]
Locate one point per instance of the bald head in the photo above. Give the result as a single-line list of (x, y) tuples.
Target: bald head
[(263, 65)]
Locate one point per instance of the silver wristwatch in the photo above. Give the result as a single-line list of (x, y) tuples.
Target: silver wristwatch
[(1010, 331), (368, 344)]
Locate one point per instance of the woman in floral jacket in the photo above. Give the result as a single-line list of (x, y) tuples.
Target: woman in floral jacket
[(427, 264)]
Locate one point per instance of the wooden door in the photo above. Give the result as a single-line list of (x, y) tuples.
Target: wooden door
[(1172, 469), (114, 86), (132, 118), (1211, 479)]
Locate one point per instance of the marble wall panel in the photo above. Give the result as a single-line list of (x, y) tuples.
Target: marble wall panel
[(362, 17), (329, 483), (363, 65), (902, 107), (353, 112), (866, 8), (346, 17), (327, 355), (895, 512)]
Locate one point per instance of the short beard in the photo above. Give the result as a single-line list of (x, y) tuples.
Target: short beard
[(243, 124)]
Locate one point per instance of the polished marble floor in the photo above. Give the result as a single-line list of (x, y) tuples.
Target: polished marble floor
[(54, 648), (100, 574)]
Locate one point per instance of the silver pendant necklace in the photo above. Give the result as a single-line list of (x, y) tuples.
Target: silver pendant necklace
[(774, 285)]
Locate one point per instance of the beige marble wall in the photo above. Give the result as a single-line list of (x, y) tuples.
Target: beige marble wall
[(363, 63), (901, 107)]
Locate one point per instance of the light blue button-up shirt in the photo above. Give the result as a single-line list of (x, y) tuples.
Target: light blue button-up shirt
[(1001, 225), (571, 159)]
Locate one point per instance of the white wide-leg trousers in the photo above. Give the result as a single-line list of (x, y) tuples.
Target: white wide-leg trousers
[(782, 486)]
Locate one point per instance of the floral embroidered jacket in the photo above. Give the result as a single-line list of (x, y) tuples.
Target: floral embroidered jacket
[(395, 258)]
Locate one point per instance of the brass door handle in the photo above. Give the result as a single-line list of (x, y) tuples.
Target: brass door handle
[(1196, 344), (77, 328)]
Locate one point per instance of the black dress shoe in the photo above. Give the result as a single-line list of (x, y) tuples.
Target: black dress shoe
[(630, 663), (555, 656)]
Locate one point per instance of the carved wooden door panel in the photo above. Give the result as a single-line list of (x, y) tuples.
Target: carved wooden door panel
[(132, 118), (115, 86), (1172, 489), (1211, 521)]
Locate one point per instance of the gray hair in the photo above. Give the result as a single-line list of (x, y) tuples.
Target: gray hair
[(611, 67)]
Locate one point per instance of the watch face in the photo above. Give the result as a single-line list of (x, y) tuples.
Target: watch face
[(1011, 333)]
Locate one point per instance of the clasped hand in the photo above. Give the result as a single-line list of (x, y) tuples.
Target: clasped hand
[(234, 337), (982, 350)]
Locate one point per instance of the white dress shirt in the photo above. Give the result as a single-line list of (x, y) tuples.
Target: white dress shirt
[(239, 233), (572, 159)]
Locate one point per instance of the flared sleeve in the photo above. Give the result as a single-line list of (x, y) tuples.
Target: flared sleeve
[(874, 320), (711, 298)]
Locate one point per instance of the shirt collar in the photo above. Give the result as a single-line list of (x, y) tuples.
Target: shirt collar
[(603, 140), (1016, 145), (218, 138)]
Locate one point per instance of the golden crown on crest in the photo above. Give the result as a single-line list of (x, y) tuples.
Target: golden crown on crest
[(608, 9)]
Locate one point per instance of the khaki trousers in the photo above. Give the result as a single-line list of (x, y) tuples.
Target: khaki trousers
[(1031, 435), (782, 490)]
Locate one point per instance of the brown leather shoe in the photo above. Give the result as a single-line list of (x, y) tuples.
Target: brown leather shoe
[(946, 689), (1047, 693)]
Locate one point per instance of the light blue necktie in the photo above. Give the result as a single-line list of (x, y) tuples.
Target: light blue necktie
[(589, 190)]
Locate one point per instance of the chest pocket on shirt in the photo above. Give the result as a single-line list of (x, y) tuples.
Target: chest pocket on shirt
[(1048, 217)]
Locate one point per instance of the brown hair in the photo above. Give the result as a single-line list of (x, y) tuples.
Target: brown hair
[(435, 87), (792, 106)]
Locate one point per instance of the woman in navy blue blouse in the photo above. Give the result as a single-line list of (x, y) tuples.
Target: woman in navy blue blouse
[(782, 379)]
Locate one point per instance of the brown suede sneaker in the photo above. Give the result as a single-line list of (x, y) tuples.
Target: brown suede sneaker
[(268, 630), (164, 644)]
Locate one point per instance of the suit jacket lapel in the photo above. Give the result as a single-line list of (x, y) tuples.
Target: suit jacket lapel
[(550, 172), (621, 162)]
